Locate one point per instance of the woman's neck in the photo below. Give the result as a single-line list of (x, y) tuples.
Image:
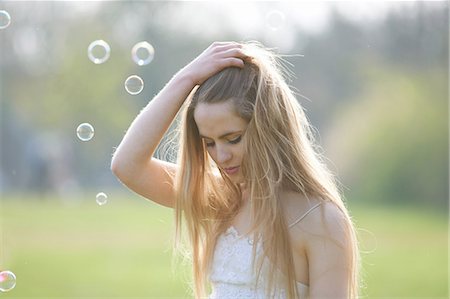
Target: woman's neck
[(245, 192)]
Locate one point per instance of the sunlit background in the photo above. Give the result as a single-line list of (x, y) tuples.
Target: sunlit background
[(372, 76)]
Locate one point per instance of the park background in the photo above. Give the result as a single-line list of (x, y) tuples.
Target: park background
[(373, 78)]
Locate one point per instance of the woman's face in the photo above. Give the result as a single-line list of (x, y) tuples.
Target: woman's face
[(222, 130)]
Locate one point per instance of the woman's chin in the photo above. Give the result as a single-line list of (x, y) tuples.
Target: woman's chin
[(238, 179), (235, 179)]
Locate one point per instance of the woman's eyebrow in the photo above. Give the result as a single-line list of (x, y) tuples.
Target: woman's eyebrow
[(222, 136)]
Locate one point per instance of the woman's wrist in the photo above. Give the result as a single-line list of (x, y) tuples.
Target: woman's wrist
[(185, 78)]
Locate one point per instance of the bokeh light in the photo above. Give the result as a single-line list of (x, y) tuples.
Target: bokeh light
[(85, 131), (101, 199), (134, 84), (275, 20), (142, 53), (5, 19), (99, 51), (7, 281)]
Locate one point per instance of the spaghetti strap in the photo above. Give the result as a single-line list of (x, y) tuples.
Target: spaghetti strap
[(304, 215)]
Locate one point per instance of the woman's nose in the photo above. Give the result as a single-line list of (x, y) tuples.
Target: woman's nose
[(223, 155)]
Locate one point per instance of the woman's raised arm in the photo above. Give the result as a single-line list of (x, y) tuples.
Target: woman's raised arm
[(133, 162)]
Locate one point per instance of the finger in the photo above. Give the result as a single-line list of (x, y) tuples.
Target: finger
[(224, 43), (235, 52), (232, 62), (227, 46)]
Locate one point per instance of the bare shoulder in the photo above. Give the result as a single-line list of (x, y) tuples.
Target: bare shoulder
[(327, 219), (330, 253), (324, 221), (323, 239)]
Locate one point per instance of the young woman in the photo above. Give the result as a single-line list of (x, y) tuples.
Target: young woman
[(262, 212)]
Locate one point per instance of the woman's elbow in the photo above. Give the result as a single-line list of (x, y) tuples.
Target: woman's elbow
[(118, 167)]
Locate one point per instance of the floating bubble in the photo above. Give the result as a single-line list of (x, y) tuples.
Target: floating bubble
[(368, 241), (142, 53), (85, 132), (101, 199), (275, 19), (134, 84), (5, 19), (7, 281), (99, 51)]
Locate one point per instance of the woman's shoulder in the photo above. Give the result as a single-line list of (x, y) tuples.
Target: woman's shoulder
[(318, 218)]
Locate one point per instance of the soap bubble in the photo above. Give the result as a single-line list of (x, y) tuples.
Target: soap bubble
[(5, 19), (85, 132), (368, 241), (99, 51), (134, 85), (275, 19), (142, 53), (101, 198), (7, 281)]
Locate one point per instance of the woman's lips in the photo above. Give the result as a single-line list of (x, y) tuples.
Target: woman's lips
[(231, 170)]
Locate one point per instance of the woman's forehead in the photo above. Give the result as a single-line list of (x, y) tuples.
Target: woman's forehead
[(217, 119), (213, 111)]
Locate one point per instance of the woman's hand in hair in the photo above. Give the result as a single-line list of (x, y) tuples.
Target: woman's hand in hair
[(217, 56)]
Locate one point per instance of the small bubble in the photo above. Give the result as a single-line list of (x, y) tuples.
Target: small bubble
[(85, 132), (142, 53), (101, 199), (275, 19), (99, 51), (368, 241), (7, 281), (134, 85), (5, 19)]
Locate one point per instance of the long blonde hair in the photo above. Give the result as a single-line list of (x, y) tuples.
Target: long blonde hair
[(283, 157)]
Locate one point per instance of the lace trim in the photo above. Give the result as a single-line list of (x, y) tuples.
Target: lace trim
[(233, 232)]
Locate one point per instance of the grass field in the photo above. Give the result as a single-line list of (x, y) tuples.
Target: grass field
[(123, 250)]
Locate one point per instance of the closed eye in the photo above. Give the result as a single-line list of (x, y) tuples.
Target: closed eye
[(233, 141), (236, 140)]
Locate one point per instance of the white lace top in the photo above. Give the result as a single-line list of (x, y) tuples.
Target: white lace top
[(232, 274)]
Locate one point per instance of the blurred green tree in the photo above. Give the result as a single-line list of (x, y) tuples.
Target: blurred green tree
[(391, 143)]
